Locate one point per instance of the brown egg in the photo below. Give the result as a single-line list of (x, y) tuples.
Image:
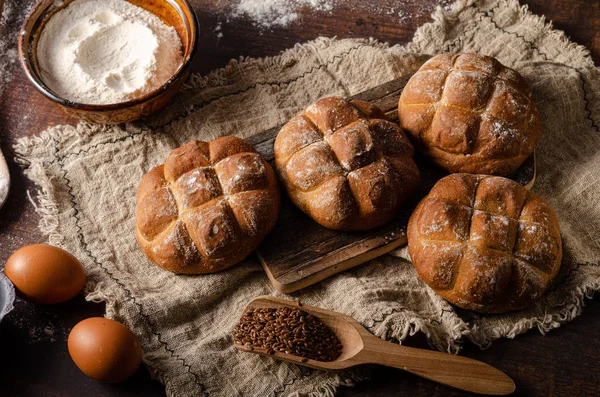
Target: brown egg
[(104, 349), (45, 274)]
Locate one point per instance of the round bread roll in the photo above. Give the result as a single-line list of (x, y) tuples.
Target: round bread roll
[(208, 207), (345, 165), (469, 113), (485, 243)]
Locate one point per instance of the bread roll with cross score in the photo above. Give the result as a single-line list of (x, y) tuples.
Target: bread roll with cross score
[(345, 165), (207, 207), (469, 113), (485, 243)]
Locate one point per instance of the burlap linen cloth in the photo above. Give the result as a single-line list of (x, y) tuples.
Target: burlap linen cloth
[(88, 177)]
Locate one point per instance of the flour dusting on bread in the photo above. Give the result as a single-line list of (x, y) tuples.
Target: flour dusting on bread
[(345, 166), (512, 251), (469, 113), (223, 199)]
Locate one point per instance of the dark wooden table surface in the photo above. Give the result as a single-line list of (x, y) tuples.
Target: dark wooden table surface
[(33, 353)]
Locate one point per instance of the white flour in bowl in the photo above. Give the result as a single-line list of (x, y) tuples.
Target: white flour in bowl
[(106, 51)]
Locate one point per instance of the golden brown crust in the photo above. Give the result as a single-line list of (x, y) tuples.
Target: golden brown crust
[(344, 165), (469, 113), (485, 243), (208, 207)]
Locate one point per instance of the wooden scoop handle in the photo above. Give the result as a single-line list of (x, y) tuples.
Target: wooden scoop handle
[(448, 369)]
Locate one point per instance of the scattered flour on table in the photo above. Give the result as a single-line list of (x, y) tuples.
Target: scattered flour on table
[(38, 324), (218, 29), (270, 13), (13, 15), (403, 10), (108, 51), (280, 13)]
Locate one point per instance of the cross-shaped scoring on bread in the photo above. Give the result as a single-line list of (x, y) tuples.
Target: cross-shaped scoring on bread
[(207, 207), (485, 243), (345, 165), (469, 113)]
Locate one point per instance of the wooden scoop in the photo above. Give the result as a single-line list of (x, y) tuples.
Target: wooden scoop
[(361, 347), (4, 174)]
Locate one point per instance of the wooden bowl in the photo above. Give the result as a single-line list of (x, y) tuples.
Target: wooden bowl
[(176, 13)]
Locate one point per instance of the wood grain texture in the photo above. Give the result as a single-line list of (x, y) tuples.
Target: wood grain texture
[(35, 361), (300, 252)]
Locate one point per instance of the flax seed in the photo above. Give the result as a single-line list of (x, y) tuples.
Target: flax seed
[(286, 330)]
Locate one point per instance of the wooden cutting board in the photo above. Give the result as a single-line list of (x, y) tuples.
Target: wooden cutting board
[(300, 252)]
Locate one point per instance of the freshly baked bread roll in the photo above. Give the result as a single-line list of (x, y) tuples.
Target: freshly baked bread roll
[(469, 113), (345, 165), (485, 243), (207, 207)]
